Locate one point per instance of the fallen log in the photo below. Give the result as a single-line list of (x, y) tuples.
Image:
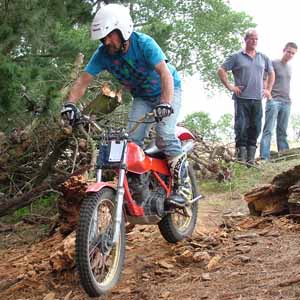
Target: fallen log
[(285, 155), (7, 206), (282, 195), (264, 201), (286, 179)]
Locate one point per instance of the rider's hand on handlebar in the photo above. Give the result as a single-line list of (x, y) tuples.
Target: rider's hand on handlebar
[(162, 110), (70, 112)]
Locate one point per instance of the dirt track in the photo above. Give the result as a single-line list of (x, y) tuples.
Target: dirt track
[(227, 258)]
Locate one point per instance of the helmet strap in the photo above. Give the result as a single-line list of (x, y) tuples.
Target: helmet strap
[(123, 42), (123, 46)]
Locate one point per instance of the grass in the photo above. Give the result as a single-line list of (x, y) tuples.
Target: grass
[(45, 206), (245, 179), (28, 233)]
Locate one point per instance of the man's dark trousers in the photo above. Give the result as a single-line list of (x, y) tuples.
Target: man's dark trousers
[(247, 121)]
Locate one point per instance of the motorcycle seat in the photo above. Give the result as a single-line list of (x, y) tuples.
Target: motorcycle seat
[(152, 150)]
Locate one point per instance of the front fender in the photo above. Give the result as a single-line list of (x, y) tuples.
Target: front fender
[(98, 186)]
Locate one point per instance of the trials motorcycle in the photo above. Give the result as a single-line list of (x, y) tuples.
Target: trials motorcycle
[(138, 195)]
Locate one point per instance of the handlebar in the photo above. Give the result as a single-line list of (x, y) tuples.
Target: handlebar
[(148, 118)]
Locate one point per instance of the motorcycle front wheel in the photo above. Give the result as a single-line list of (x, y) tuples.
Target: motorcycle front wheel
[(99, 262), (180, 224)]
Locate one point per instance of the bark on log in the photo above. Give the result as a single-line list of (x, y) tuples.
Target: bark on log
[(282, 195), (265, 201), (7, 206), (294, 198), (74, 190), (49, 164), (286, 179), (63, 258)]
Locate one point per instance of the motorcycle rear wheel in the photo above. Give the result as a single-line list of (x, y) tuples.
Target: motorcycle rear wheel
[(177, 226), (99, 262)]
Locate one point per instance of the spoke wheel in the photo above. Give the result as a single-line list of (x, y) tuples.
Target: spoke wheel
[(98, 261), (181, 223)]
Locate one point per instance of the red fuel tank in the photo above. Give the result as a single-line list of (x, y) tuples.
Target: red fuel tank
[(138, 162)]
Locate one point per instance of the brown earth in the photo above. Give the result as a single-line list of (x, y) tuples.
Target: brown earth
[(230, 256)]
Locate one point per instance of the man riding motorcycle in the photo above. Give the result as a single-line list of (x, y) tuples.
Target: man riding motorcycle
[(137, 61)]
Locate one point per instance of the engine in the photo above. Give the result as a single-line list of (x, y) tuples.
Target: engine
[(147, 192)]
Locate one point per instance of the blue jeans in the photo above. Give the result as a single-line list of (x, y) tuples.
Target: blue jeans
[(247, 122), (166, 139), (276, 111)]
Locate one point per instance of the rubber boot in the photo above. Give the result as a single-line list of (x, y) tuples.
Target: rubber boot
[(251, 155), (182, 188), (242, 154)]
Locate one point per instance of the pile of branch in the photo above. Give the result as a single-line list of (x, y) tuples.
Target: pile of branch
[(212, 160), (38, 158), (41, 161), (285, 155)]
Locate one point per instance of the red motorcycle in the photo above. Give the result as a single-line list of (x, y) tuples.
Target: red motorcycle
[(139, 195)]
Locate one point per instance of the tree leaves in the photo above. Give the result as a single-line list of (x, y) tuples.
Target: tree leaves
[(202, 32), (202, 124)]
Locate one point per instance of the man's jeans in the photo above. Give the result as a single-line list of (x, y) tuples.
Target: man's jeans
[(166, 139), (276, 110), (247, 122)]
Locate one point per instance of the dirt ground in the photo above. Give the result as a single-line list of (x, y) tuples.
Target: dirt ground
[(230, 256)]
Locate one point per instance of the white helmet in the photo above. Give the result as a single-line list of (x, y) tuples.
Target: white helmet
[(109, 18)]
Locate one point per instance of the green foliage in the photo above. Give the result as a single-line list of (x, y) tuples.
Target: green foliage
[(203, 32), (45, 206), (245, 179), (202, 124), (160, 31), (9, 85), (224, 127), (39, 42)]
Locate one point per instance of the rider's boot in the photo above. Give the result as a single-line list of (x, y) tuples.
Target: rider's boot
[(182, 187)]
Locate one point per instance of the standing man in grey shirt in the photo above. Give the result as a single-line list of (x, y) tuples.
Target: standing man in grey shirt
[(278, 107), (248, 67)]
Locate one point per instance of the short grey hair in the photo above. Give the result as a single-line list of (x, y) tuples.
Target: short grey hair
[(250, 32)]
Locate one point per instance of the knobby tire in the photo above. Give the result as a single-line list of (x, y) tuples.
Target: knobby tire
[(169, 229), (85, 245)]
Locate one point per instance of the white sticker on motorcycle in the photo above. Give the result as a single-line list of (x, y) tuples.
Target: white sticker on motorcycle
[(116, 150)]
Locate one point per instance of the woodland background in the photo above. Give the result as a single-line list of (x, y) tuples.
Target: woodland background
[(44, 169), (44, 46)]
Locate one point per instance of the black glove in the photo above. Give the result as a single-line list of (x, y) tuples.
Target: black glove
[(162, 110), (70, 112)]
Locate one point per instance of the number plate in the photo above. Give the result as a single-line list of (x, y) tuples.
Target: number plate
[(116, 151)]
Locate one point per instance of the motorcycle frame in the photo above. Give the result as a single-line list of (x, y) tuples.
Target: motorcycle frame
[(132, 154)]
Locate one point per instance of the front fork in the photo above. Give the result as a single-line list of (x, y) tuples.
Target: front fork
[(119, 205), (119, 197)]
